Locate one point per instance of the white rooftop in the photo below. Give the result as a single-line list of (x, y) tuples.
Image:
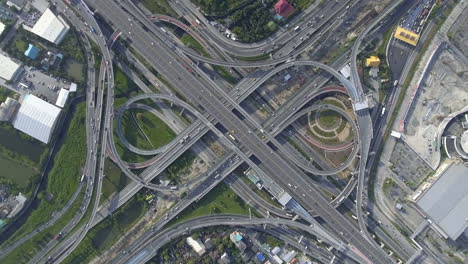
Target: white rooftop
[(36, 118), (346, 71), (464, 141), (50, 27), (446, 202), (395, 134), (2, 27), (73, 87), (62, 98), (8, 67)]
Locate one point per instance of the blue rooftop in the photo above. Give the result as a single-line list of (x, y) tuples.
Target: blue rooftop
[(32, 51), (260, 256)]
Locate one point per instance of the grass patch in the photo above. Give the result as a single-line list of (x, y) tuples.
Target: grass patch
[(192, 43), (221, 200), (180, 166), (158, 132), (160, 7), (254, 58), (302, 4), (219, 8), (332, 102), (124, 87), (115, 180), (328, 118), (108, 231)]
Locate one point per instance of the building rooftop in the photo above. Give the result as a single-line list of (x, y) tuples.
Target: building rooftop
[(36, 118), (283, 8), (2, 27), (346, 71), (197, 245), (372, 61), (32, 51), (50, 27), (446, 202), (62, 98), (8, 68)]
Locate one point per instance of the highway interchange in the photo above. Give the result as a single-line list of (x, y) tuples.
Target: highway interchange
[(213, 108)]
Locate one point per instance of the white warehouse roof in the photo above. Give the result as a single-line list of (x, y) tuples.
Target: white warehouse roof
[(50, 27), (446, 202), (2, 27), (62, 98), (36, 118), (8, 67)]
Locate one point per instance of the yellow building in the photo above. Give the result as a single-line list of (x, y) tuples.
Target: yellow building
[(372, 61), (407, 36)]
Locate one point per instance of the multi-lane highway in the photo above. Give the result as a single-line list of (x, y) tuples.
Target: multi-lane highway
[(215, 107), (202, 93)]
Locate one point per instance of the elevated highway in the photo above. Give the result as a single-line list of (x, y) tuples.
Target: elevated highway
[(204, 94)]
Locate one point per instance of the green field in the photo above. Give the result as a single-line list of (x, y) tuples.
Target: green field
[(15, 171), (219, 7), (114, 181), (64, 177), (328, 118), (124, 87), (160, 7), (220, 200), (138, 127), (190, 42), (180, 166), (107, 232), (22, 144), (154, 128)]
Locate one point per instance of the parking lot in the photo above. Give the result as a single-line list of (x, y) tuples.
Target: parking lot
[(38, 83), (408, 165)]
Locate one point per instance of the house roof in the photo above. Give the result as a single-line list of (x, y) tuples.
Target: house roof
[(283, 8)]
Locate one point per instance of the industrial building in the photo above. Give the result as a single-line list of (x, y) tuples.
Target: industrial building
[(62, 98), (9, 69), (36, 118), (50, 27), (446, 202)]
